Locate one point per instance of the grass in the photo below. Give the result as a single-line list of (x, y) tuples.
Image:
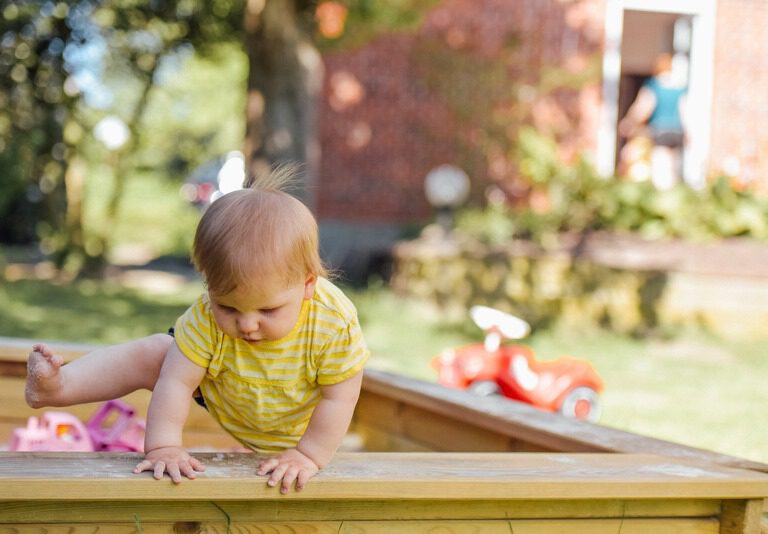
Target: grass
[(151, 213), (695, 389), (87, 311)]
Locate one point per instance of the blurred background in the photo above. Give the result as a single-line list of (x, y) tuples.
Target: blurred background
[(455, 152)]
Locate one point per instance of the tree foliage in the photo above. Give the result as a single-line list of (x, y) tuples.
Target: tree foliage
[(35, 105), (65, 66), (573, 199), (61, 67)]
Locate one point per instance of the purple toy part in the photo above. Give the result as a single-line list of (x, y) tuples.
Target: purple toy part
[(115, 427), (53, 431)]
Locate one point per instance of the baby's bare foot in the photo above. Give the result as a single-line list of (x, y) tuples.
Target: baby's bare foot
[(43, 376)]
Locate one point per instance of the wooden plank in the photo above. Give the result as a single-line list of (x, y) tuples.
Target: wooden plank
[(387, 476), (628, 526), (657, 526), (375, 439), (468, 508), (180, 527), (563, 526), (76, 528), (523, 423), (424, 429), (361, 510), (420, 527), (20, 512), (15, 350), (741, 517)]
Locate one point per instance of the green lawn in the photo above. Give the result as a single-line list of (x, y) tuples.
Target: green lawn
[(87, 311), (151, 213), (695, 390)]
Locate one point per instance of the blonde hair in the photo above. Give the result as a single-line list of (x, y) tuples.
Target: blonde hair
[(256, 234)]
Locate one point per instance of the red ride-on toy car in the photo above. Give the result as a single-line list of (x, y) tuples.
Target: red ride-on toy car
[(567, 385)]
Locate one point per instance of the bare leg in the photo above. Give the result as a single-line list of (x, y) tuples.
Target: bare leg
[(662, 168), (104, 374), (677, 164)]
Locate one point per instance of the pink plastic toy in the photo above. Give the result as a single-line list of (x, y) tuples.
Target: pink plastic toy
[(115, 427), (53, 431)]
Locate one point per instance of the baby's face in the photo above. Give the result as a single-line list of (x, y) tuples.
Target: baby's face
[(261, 313)]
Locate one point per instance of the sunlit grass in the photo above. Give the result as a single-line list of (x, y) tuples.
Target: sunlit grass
[(87, 311), (152, 213), (695, 389), (402, 337)]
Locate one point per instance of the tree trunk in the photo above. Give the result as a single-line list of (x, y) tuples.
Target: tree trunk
[(284, 79), (74, 180)]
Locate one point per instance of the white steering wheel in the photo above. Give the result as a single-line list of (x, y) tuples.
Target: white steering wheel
[(507, 325)]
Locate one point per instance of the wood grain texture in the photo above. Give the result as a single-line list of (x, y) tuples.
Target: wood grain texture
[(520, 423), (358, 510), (16, 349), (95, 476), (659, 526), (562, 526), (371, 493), (741, 517)]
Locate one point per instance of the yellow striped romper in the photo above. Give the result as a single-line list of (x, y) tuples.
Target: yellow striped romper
[(264, 394)]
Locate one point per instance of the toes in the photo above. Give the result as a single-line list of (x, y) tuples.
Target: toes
[(43, 358), (43, 349), (54, 359), (43, 376)]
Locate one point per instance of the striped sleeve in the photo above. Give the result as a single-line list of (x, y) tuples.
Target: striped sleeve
[(343, 356), (194, 333)]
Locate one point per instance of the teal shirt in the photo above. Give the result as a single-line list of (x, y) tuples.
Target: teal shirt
[(666, 115)]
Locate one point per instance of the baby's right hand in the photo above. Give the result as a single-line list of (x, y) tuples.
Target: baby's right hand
[(172, 460)]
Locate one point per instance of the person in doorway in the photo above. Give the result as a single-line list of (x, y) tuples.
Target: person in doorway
[(659, 112)]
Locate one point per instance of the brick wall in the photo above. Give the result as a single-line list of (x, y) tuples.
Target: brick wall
[(739, 140), (384, 124), (381, 132)]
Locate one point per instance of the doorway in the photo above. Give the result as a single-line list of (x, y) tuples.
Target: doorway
[(636, 32)]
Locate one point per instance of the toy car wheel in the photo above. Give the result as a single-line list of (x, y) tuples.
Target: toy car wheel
[(484, 388), (582, 403)]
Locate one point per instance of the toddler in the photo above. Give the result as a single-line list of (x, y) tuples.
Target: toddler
[(273, 350)]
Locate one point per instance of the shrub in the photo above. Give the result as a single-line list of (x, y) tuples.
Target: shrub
[(575, 199)]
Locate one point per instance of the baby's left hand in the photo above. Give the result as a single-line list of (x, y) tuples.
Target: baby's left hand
[(289, 467)]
